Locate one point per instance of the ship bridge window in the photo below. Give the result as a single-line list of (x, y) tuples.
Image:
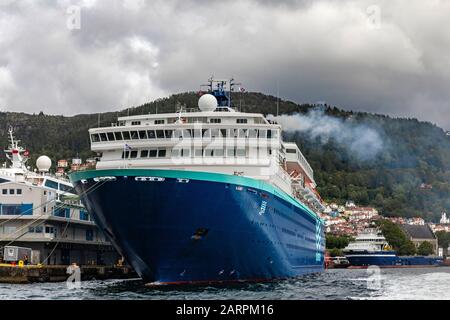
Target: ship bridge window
[(243, 133), (134, 135), (95, 137), (198, 153), (51, 184), (291, 151), (118, 135), (206, 133), (151, 134), (84, 215), (252, 133), (218, 152), (168, 133), (176, 153), (241, 121), (103, 137), (262, 133), (16, 209), (49, 230), (12, 191), (197, 133), (5, 191), (133, 154), (186, 153), (215, 133), (162, 153), (89, 235), (231, 152), (125, 154), (188, 133), (160, 134), (135, 123), (143, 134), (153, 153), (110, 136), (144, 154), (178, 134), (126, 135), (209, 152), (160, 121), (215, 120), (274, 134), (240, 152), (66, 188)]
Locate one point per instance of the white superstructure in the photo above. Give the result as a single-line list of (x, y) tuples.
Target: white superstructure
[(370, 240), (42, 212), (212, 138)]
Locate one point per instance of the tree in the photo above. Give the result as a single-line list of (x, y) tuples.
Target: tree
[(425, 249), (336, 242), (396, 238), (407, 248), (335, 252), (443, 239)]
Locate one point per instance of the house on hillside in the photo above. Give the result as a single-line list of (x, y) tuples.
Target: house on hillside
[(421, 233)]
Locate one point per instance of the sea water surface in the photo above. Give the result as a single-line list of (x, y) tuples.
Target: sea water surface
[(414, 283)]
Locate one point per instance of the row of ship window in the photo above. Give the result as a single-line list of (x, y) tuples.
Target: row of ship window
[(214, 120), (12, 192), (59, 186), (26, 209), (184, 134), (89, 233), (186, 152)]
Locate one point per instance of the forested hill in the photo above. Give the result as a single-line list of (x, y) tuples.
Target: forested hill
[(404, 171)]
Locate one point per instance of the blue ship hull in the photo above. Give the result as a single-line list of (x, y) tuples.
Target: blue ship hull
[(381, 258), (390, 259), (187, 227)]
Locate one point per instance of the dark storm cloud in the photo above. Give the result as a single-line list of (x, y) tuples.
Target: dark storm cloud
[(379, 56)]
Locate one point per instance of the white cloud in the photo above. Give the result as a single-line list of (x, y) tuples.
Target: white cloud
[(129, 52)]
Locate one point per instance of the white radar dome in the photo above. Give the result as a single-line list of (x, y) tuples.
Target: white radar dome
[(43, 163), (207, 102)]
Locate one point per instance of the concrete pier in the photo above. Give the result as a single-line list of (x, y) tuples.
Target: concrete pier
[(33, 274)]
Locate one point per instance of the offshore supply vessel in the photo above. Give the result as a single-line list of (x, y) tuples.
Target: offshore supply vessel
[(370, 248), (205, 195)]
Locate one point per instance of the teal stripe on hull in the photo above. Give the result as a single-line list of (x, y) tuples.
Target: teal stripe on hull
[(194, 175)]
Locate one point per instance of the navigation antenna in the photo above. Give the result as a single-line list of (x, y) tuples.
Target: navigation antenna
[(278, 97)]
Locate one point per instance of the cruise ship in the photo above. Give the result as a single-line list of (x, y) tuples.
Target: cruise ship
[(205, 194), (42, 212)]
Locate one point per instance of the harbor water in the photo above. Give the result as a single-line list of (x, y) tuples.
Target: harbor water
[(334, 284)]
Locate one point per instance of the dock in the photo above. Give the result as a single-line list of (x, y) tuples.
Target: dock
[(35, 274)]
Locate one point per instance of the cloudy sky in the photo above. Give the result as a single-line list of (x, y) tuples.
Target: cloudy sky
[(69, 57)]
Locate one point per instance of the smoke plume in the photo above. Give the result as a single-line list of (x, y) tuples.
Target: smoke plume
[(358, 139)]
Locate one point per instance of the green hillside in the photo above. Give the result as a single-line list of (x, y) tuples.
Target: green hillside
[(412, 153)]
